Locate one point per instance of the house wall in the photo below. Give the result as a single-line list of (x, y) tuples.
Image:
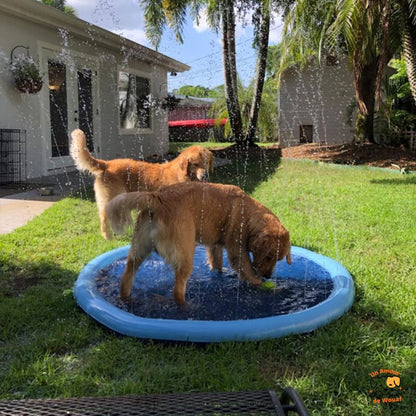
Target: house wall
[(317, 97), (107, 54), (190, 112)]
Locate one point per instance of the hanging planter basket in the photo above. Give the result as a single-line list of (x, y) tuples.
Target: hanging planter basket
[(28, 85), (26, 72)]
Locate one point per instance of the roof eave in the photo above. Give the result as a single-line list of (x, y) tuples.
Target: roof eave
[(47, 16)]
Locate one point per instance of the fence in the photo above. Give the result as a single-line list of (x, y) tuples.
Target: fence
[(12, 156)]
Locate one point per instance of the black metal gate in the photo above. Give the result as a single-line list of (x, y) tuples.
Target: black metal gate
[(250, 403), (12, 156)]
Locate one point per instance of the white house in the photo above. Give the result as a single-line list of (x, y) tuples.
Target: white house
[(313, 103), (92, 79)]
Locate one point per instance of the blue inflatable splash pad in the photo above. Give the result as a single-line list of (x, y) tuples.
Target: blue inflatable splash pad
[(311, 292)]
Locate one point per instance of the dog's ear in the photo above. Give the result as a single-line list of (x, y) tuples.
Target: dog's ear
[(261, 243), (284, 247), (183, 164), (265, 242)]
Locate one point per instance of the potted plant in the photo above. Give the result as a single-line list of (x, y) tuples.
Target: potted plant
[(26, 73)]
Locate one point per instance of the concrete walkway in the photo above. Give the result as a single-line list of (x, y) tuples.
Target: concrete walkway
[(19, 208)]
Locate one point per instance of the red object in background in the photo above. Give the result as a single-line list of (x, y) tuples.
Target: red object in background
[(206, 122)]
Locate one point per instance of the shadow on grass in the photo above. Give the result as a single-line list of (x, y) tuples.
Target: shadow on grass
[(401, 180), (246, 169), (38, 309), (17, 276)]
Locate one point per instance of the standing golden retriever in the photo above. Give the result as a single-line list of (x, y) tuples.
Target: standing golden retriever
[(174, 218), (113, 177)]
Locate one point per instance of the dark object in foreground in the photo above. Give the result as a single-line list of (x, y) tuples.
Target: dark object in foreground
[(223, 403)]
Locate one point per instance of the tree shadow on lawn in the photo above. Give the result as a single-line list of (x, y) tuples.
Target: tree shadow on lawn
[(17, 276), (38, 311), (246, 169), (401, 180)]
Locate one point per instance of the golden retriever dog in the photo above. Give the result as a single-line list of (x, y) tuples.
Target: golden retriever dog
[(174, 218), (113, 177)]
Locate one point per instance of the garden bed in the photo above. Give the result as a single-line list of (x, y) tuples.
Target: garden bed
[(350, 154)]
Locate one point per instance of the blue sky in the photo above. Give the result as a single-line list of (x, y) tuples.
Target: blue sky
[(201, 48)]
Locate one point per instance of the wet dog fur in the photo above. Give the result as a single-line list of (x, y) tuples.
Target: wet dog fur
[(173, 219), (113, 177)]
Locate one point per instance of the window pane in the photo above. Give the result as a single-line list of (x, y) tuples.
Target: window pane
[(143, 105), (127, 99), (85, 108), (134, 101), (58, 108)]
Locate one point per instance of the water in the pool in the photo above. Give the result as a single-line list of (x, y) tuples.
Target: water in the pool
[(213, 295)]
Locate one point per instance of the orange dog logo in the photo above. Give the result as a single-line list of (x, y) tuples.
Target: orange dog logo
[(385, 386), (392, 382)]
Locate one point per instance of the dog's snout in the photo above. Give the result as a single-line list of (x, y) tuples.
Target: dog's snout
[(203, 175)]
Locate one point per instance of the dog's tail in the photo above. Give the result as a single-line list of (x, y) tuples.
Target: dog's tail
[(118, 210), (81, 155)]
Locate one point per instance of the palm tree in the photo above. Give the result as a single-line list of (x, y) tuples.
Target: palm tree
[(262, 14), (408, 15), (267, 114), (222, 16), (225, 10), (359, 28)]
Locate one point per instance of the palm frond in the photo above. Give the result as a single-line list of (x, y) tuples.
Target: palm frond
[(155, 20)]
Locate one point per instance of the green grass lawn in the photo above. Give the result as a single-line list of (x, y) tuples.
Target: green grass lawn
[(176, 147), (364, 218)]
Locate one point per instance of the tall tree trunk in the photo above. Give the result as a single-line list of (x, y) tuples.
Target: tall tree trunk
[(260, 74), (365, 80), (409, 47), (230, 71)]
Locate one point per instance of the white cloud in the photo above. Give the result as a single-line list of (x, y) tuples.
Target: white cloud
[(110, 15), (276, 29), (136, 35), (124, 17), (242, 29), (275, 35), (202, 24)]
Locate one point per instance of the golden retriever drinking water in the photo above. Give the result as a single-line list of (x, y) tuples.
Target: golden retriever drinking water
[(174, 218), (113, 177)]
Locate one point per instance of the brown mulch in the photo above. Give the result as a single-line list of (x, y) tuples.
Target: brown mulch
[(351, 154)]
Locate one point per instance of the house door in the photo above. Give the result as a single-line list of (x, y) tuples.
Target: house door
[(71, 102), (305, 133)]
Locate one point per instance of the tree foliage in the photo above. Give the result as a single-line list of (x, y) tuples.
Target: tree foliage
[(267, 119), (197, 91), (60, 5)]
